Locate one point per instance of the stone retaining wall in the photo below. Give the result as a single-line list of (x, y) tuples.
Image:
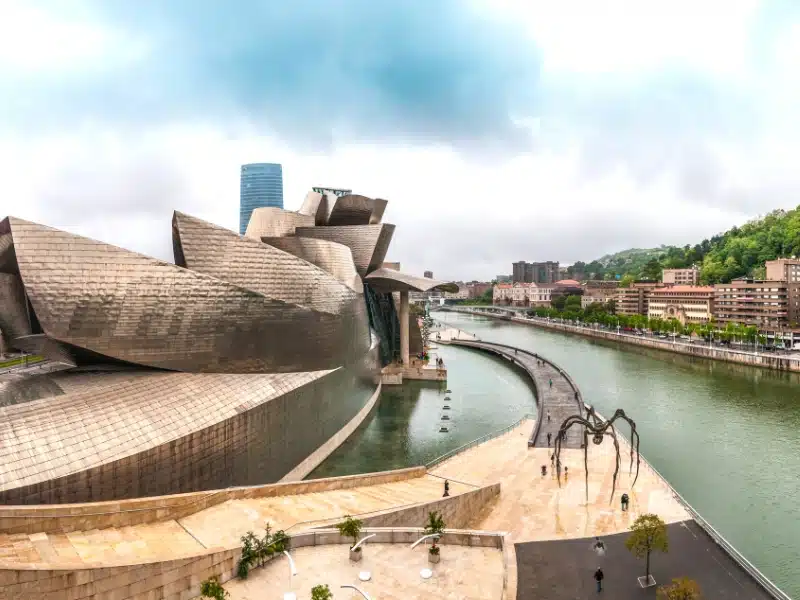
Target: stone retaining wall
[(64, 518), (180, 579), (457, 511)]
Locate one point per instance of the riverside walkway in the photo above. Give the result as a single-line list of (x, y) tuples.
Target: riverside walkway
[(556, 402)]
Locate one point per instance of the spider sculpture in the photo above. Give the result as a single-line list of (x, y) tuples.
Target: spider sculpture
[(597, 428)]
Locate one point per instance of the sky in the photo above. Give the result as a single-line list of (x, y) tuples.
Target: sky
[(499, 130)]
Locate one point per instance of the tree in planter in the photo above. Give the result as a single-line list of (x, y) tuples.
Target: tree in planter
[(212, 588), (648, 533), (351, 527), (435, 526), (321, 592), (680, 589)]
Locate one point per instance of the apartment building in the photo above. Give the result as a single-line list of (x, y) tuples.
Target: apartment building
[(686, 303), (501, 293), (476, 289), (689, 276), (783, 269), (537, 272), (522, 294), (633, 300), (599, 292), (767, 304)]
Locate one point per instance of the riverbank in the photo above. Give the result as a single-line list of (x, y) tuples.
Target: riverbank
[(753, 359)]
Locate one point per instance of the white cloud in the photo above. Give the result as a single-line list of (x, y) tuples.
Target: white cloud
[(36, 42), (630, 36)]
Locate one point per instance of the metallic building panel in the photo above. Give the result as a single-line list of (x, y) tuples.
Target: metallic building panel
[(318, 205), (353, 209), (275, 222), (336, 259), (8, 260), (368, 243), (391, 280), (43, 345), (13, 310), (265, 269), (140, 310), (164, 433)]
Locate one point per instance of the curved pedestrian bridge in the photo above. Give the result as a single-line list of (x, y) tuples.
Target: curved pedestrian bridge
[(557, 396)]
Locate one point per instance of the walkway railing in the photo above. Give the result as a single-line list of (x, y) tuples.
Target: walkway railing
[(772, 589), (477, 442)]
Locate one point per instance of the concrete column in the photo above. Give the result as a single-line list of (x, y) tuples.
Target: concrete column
[(404, 328)]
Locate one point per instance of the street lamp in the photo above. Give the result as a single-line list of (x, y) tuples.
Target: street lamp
[(360, 591), (293, 570)]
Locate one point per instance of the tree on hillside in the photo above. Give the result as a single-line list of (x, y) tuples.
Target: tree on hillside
[(626, 281), (648, 533)]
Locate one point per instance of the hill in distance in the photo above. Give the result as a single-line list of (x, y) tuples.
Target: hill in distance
[(738, 252)]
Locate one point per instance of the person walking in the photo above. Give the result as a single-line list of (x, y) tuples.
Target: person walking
[(598, 577), (625, 500), (544, 470), (551, 384), (548, 416), (549, 436), (566, 472)]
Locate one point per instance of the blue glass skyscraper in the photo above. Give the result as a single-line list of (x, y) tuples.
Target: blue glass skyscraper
[(261, 184)]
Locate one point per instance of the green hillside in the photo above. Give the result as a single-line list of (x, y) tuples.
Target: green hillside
[(740, 251)]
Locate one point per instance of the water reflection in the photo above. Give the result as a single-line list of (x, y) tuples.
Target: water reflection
[(404, 430)]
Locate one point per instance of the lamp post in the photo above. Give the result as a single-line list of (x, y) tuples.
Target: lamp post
[(293, 570)]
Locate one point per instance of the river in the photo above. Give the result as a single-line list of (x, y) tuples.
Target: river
[(727, 437)]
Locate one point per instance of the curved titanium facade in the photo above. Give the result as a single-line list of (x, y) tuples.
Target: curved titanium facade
[(13, 312), (356, 210), (265, 269), (391, 280), (275, 222), (166, 433), (335, 259), (368, 243), (139, 310), (230, 367), (261, 184)]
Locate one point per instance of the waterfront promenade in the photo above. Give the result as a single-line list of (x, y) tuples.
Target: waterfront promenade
[(754, 359)]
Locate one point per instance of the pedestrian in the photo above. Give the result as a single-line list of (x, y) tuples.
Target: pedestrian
[(446, 489), (548, 416), (551, 383), (549, 435), (553, 459), (566, 472), (544, 470), (625, 500), (598, 577)]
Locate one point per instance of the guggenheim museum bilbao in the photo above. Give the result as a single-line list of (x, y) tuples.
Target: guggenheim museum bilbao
[(233, 366)]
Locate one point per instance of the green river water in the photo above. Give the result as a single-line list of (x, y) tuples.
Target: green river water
[(727, 437)]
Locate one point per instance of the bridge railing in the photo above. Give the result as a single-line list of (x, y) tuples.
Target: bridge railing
[(772, 589), (477, 442)]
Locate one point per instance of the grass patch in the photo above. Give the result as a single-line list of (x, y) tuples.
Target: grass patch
[(19, 361)]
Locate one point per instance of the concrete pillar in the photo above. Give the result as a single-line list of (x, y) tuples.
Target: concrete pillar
[(404, 328)]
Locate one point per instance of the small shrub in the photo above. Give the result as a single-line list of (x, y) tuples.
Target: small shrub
[(350, 527), (680, 589), (435, 526), (321, 592), (256, 551), (212, 588)]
